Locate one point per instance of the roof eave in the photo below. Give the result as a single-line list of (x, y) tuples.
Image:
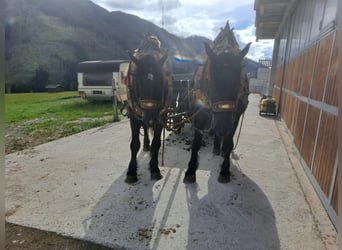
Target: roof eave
[(270, 16)]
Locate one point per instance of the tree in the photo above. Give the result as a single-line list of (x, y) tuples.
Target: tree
[(70, 76), (40, 79)]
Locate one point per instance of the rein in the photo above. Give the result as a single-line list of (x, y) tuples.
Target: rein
[(173, 126), (238, 137)]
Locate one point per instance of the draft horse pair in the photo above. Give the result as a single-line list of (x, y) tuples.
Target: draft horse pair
[(219, 87)]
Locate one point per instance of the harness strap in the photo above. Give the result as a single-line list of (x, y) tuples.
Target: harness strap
[(238, 136), (150, 104)]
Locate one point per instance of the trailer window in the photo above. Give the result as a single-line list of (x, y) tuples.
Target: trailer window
[(98, 79)]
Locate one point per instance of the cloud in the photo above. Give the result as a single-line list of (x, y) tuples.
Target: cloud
[(260, 49), (185, 18), (190, 17), (169, 4), (117, 5), (141, 6)]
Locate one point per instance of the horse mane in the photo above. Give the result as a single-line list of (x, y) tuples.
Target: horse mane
[(225, 41), (150, 45)]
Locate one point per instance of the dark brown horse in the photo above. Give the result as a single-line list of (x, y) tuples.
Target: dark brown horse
[(147, 91), (223, 96)]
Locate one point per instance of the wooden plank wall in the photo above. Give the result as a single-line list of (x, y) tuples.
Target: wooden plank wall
[(323, 164), (335, 194), (307, 87)]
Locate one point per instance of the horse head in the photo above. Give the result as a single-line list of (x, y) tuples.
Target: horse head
[(149, 81), (224, 78)]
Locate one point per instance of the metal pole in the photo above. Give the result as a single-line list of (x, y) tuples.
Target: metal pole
[(115, 106), (286, 60)]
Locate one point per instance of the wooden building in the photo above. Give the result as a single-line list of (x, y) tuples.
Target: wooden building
[(304, 78)]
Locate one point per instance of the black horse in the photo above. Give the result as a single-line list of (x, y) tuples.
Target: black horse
[(221, 84), (147, 92)]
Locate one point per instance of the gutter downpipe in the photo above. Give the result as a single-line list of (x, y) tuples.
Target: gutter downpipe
[(339, 177), (275, 56), (279, 111), (286, 16)]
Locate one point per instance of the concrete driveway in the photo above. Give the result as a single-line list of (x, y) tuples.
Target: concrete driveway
[(75, 187)]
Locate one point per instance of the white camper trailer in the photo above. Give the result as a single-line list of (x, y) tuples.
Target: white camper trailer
[(98, 80)]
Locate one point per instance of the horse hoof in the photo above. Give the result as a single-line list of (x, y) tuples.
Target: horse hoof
[(189, 179), (146, 148), (131, 179), (223, 178), (156, 176)]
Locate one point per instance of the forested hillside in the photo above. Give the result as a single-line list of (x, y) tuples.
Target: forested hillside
[(46, 39)]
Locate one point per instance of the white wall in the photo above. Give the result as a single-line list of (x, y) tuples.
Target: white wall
[(261, 83)]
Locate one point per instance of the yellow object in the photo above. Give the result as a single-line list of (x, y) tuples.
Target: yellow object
[(267, 106)]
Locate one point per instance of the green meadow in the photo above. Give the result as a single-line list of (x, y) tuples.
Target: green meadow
[(52, 115)]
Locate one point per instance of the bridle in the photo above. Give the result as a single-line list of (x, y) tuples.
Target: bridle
[(227, 106), (137, 104)]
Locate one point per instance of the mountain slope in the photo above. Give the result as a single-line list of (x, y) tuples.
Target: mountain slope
[(44, 41), (52, 36)]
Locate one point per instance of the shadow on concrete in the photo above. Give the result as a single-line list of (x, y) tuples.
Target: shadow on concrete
[(123, 217), (236, 215), (270, 117), (231, 216)]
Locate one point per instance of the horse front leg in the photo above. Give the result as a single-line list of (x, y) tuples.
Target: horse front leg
[(227, 148), (131, 175), (146, 146), (190, 174), (217, 145), (155, 146)]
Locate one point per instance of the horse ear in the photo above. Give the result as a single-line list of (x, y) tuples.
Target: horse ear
[(163, 59), (209, 51), (245, 50), (133, 58)]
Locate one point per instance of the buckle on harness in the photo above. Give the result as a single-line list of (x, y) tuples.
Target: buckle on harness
[(149, 104), (224, 106)]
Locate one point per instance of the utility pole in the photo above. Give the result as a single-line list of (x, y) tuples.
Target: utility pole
[(162, 14)]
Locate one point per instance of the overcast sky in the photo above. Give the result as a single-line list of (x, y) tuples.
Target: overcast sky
[(198, 17)]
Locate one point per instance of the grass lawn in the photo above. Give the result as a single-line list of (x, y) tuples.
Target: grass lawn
[(53, 115)]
